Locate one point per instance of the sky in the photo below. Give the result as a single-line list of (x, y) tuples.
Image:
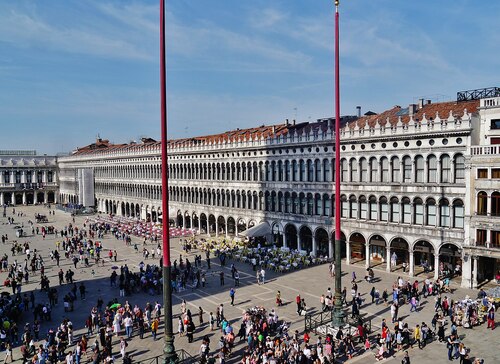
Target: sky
[(71, 70)]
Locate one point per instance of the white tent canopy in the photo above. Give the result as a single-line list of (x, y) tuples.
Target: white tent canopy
[(263, 229)]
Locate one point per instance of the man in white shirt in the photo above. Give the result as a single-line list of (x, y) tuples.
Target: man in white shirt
[(262, 275)]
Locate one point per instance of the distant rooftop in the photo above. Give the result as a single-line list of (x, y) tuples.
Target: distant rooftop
[(18, 153)]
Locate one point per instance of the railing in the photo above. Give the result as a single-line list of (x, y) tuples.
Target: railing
[(485, 150), (182, 358), (314, 320)]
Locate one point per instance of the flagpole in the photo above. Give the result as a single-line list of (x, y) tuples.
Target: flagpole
[(168, 345), (338, 315)]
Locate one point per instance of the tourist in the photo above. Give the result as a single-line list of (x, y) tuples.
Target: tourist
[(231, 295)]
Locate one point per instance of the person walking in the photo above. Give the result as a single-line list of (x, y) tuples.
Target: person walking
[(297, 301), (417, 336), (154, 327), (221, 276), (263, 275), (491, 318), (231, 295), (450, 343), (406, 358), (123, 347)]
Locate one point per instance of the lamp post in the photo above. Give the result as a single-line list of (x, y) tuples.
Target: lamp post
[(168, 349), (338, 314)]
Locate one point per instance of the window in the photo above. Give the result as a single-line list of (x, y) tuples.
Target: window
[(326, 171), (445, 169), (287, 171), (310, 171), (432, 169), (482, 199), (495, 239), (459, 169), (431, 212), (343, 170), (302, 200), (480, 237), (373, 208), (495, 173), (495, 124), (384, 167), (394, 209), (418, 208), (396, 170), (419, 169), (319, 205), (295, 171), (384, 209), (29, 177), (444, 213), (269, 171), (482, 173), (310, 204), (280, 202), (6, 177), (280, 171), (363, 207), (373, 170), (495, 204), (273, 171), (18, 177), (345, 206), (288, 202), (302, 171), (406, 169), (319, 175), (326, 200), (354, 170), (406, 210), (295, 203), (458, 214), (353, 207), (363, 175)]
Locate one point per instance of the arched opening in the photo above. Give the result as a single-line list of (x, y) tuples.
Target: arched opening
[(450, 256), (277, 234), (322, 242), (357, 242), (203, 224), (399, 253), (291, 236), (187, 220), (242, 225), (212, 224), (30, 198), (7, 198), (19, 199), (221, 221), (137, 211), (196, 221), (423, 253), (40, 197), (179, 221), (306, 239), (378, 253), (231, 226), (154, 216)]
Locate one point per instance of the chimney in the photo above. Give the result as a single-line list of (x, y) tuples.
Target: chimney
[(428, 102), (287, 122), (412, 109), (420, 103), (359, 111), (293, 122)]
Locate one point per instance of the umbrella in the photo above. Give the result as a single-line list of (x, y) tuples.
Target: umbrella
[(115, 305)]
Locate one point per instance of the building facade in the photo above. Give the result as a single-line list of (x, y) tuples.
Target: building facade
[(407, 179), (27, 179)]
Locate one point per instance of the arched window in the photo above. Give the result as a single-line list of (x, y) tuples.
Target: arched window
[(295, 200), (354, 170), (288, 202), (458, 214), (318, 206), (317, 166), (310, 171), (445, 168), (459, 169), (384, 168), (394, 209), (444, 213), (295, 171), (302, 171), (432, 169), (363, 170), (363, 207), (406, 210), (372, 208), (280, 202), (345, 206), (353, 205), (326, 203), (384, 209), (418, 208), (302, 201), (310, 204), (326, 171), (482, 200), (396, 169), (431, 212), (280, 171), (343, 170), (373, 170), (495, 204), (406, 169), (287, 171), (419, 169)]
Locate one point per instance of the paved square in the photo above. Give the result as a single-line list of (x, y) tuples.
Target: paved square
[(309, 283)]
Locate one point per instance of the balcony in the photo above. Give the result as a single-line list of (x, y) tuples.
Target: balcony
[(485, 150)]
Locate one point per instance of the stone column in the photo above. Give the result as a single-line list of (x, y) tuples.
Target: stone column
[(411, 264), (488, 205), (299, 242), (348, 252), (35, 197), (285, 242), (45, 197), (436, 265), (44, 176), (23, 177), (1, 199), (474, 271), (24, 198), (331, 243), (315, 246), (216, 227), (388, 259), (367, 255)]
